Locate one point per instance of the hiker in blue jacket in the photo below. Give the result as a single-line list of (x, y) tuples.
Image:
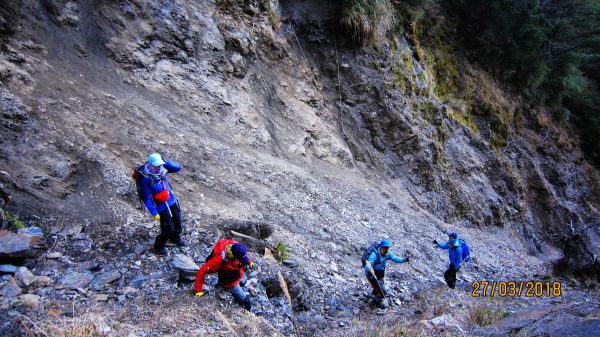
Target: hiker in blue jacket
[(375, 269), (454, 254), (158, 197)]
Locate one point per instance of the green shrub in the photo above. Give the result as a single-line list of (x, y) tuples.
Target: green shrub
[(282, 251), (13, 222), (548, 50)]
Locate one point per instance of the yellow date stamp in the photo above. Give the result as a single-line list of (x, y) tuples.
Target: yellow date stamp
[(516, 289)]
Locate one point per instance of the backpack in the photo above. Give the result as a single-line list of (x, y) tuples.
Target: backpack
[(137, 177), (373, 247), (465, 250)]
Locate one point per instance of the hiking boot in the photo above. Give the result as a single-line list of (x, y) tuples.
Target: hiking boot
[(161, 251), (247, 303), (179, 242)]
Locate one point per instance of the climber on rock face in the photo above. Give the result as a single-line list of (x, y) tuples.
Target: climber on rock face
[(456, 253), (155, 192), (228, 258), (374, 260)]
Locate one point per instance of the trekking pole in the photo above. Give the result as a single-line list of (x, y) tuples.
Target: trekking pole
[(408, 254), (169, 209), (376, 279), (416, 269)]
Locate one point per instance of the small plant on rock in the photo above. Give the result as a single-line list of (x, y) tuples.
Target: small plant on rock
[(282, 251), (13, 222)]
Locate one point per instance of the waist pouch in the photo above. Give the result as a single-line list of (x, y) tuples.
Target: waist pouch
[(163, 195)]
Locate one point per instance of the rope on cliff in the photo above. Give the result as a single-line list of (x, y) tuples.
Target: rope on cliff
[(314, 80), (337, 62)]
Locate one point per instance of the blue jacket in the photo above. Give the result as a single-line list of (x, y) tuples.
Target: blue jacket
[(377, 261), (151, 184), (454, 251)]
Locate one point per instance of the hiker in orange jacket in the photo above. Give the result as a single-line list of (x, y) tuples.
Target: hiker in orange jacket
[(228, 259)]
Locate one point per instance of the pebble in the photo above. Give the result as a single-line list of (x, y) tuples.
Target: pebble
[(101, 298), (54, 255)]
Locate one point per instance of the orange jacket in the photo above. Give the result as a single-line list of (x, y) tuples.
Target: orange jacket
[(230, 271)]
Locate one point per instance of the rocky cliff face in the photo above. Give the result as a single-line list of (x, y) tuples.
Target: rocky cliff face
[(279, 120)]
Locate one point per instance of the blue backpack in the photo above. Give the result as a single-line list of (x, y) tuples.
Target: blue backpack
[(465, 250), (373, 247)]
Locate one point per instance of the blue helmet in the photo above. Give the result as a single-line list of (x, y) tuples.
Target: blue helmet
[(384, 244), (453, 235)]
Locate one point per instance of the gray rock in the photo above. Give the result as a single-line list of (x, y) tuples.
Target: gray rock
[(13, 113), (24, 277), (211, 280), (14, 246), (290, 263), (10, 289), (102, 279), (239, 65), (186, 267), (7, 269), (183, 262), (210, 37), (101, 298), (54, 255), (589, 327), (87, 265), (73, 230), (69, 14), (73, 279), (239, 40), (42, 281), (30, 300), (83, 242), (138, 281)]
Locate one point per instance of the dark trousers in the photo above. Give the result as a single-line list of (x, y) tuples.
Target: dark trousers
[(377, 284), (170, 227), (450, 276)]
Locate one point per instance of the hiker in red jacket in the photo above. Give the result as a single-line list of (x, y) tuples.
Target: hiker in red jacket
[(228, 258)]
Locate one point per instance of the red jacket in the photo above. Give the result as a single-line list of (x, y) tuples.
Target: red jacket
[(230, 271)]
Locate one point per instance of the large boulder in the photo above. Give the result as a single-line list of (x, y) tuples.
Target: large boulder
[(186, 267), (14, 246)]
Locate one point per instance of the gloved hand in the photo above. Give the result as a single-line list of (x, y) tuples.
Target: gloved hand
[(251, 265), (435, 242), (157, 217), (200, 294), (407, 259)]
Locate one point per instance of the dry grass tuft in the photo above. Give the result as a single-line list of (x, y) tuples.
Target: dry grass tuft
[(87, 325), (387, 327), (226, 323), (284, 287), (484, 315), (368, 20), (286, 292)]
